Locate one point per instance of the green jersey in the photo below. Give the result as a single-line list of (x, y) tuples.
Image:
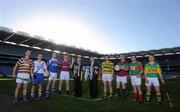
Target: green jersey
[(135, 68), (152, 70)]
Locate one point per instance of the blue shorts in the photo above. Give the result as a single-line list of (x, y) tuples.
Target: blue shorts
[(38, 79)]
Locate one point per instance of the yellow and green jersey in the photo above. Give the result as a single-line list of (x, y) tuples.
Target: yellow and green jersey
[(152, 70), (107, 67), (135, 68)]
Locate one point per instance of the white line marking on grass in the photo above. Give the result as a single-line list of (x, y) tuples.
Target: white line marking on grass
[(86, 99), (97, 99)]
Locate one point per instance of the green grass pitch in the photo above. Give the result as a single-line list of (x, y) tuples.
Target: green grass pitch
[(86, 104)]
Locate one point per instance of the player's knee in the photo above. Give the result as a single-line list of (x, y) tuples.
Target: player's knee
[(18, 86), (33, 87), (158, 92), (134, 90)]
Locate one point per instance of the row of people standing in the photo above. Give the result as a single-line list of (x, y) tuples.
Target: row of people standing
[(134, 70), (27, 69)]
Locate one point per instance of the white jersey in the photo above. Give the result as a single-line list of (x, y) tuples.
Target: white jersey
[(39, 66)]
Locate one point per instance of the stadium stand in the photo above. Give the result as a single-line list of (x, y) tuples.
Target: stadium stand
[(13, 45)]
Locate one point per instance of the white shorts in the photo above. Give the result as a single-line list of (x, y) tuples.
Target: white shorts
[(107, 77), (135, 81), (64, 75), (122, 79), (53, 76), (152, 81), (22, 78)]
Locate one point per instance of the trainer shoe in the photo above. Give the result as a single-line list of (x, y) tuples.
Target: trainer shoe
[(25, 99), (135, 101), (15, 101), (159, 103), (67, 93), (122, 97), (39, 97), (110, 98), (47, 95), (147, 102), (104, 97), (53, 94), (140, 102), (60, 93), (32, 97)]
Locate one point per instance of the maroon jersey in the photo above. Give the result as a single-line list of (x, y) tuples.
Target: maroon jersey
[(122, 72), (64, 65)]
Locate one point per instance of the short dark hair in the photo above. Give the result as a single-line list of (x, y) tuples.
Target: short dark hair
[(151, 54)]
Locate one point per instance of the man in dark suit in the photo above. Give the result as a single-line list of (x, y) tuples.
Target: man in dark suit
[(93, 75), (78, 74)]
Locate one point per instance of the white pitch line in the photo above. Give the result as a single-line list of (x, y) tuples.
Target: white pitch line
[(98, 99)]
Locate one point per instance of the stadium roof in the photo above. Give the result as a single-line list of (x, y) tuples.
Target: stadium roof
[(37, 42), (157, 52)]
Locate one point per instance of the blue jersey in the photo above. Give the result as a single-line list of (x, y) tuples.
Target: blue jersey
[(52, 65)]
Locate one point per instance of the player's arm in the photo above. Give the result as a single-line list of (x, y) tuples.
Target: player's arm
[(125, 68), (145, 74), (48, 64), (14, 70), (32, 70), (141, 68), (102, 65), (101, 69), (130, 71), (60, 64), (45, 67), (160, 75), (113, 70), (74, 71), (129, 68), (72, 62)]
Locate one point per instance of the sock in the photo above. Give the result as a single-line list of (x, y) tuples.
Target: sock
[(147, 97), (53, 91), (39, 94), (124, 92), (15, 98), (47, 92), (140, 98), (117, 91), (110, 94), (159, 98), (135, 95), (24, 98), (67, 92), (32, 94)]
